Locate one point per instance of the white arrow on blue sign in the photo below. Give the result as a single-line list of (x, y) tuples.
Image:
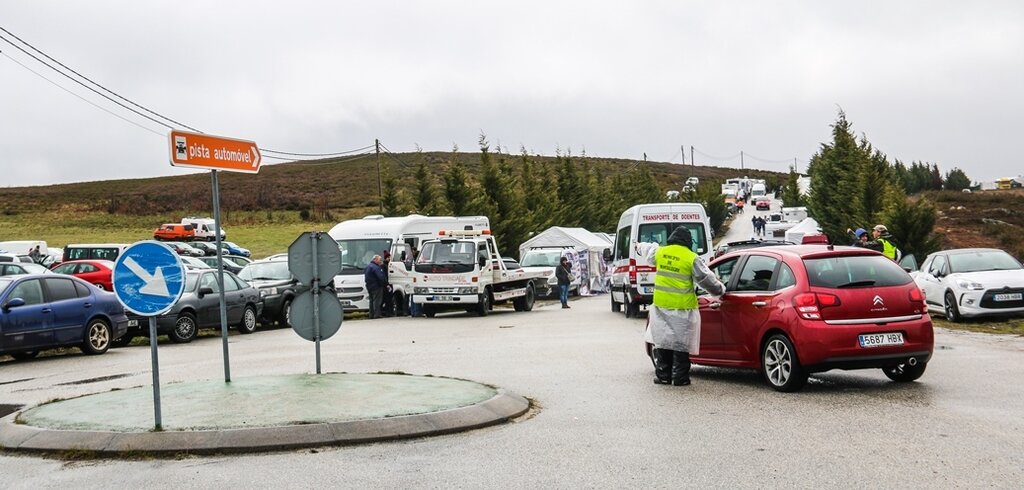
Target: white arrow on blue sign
[(148, 278)]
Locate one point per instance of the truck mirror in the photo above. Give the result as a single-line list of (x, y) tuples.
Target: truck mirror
[(483, 262)]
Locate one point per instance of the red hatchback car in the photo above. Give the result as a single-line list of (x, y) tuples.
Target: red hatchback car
[(95, 272), (792, 311)]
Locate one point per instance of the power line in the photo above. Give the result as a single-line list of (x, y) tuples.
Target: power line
[(115, 94)]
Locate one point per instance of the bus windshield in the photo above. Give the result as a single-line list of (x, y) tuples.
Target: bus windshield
[(356, 253)]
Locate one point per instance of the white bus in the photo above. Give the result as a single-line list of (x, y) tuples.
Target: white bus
[(361, 239)]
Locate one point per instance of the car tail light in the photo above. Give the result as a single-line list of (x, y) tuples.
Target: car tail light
[(917, 297), (809, 305), (632, 272)]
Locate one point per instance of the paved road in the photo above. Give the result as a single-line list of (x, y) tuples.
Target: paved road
[(601, 423)]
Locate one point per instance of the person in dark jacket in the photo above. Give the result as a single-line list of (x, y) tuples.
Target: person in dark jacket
[(562, 273), (376, 281)]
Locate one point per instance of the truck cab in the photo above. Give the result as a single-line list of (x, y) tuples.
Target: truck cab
[(464, 270)]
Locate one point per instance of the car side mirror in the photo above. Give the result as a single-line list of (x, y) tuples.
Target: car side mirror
[(14, 303), (483, 262), (205, 291), (607, 255)]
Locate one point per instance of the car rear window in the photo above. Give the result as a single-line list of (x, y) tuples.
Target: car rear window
[(855, 271)]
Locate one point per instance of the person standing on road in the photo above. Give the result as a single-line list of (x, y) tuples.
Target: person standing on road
[(564, 275), (884, 243), (674, 320), (376, 281)]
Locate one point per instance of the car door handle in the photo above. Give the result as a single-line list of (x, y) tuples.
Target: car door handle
[(46, 310), (714, 306), (87, 305), (760, 304)]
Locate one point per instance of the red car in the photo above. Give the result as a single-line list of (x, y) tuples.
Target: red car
[(763, 204), (95, 272), (792, 311)]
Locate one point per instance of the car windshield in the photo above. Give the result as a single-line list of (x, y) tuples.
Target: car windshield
[(659, 233), (266, 271), (541, 258), (855, 271), (355, 254), (447, 256), (982, 261)]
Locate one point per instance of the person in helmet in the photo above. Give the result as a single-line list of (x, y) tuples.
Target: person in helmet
[(674, 320)]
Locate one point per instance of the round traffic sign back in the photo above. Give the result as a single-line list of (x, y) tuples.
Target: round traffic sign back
[(148, 278), (330, 313)]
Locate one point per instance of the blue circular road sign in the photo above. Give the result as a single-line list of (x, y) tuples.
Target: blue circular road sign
[(148, 278)]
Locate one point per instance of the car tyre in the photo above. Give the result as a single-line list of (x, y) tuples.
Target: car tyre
[(632, 309), (951, 309), (526, 302), (25, 355), (185, 329), (97, 337), (429, 311), (248, 323), (904, 372), (286, 313), (781, 366), (616, 306), (484, 306)]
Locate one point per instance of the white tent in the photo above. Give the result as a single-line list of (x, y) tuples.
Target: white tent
[(806, 227), (588, 253)]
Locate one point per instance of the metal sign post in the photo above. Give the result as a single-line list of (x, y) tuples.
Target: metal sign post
[(314, 258), (148, 279), (220, 276)]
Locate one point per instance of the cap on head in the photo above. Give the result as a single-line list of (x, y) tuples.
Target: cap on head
[(880, 228), (681, 236), (860, 232)]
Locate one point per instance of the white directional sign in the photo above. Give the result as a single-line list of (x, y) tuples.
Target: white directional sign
[(148, 278)]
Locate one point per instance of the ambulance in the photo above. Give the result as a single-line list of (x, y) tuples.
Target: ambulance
[(632, 283)]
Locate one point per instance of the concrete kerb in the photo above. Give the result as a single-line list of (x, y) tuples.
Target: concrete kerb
[(501, 408)]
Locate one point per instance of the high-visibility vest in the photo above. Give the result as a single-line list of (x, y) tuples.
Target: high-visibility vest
[(888, 249), (673, 281)]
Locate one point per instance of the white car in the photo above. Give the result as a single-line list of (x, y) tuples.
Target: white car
[(972, 282)]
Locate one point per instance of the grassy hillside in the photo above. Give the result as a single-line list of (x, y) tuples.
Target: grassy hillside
[(981, 219), (261, 212)]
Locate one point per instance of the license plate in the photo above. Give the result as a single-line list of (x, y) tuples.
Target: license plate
[(1008, 297), (646, 290), (345, 302), (881, 339), (133, 323), (443, 298)]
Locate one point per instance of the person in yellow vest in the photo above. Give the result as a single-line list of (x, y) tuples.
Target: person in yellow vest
[(674, 320), (883, 242)]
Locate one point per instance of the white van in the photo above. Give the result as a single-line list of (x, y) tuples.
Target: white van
[(632, 282), (93, 251), (204, 228), (758, 190), (361, 239)]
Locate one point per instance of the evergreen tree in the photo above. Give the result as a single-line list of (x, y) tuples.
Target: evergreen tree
[(935, 179), (791, 196), (425, 194), (570, 193), (957, 180), (834, 176), (911, 224), (392, 193), (456, 185), (903, 177)]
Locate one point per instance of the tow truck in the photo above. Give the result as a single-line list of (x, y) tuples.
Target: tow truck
[(462, 269)]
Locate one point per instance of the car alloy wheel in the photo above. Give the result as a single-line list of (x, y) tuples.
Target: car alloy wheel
[(97, 337), (952, 311), (184, 329), (248, 323), (780, 366)]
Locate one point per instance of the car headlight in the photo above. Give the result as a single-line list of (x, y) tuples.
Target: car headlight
[(420, 290), (552, 280), (268, 292), (470, 290), (969, 285)]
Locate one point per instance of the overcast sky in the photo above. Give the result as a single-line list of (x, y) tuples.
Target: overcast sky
[(933, 81)]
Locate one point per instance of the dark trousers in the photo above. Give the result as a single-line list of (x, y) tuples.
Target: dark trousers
[(671, 366), (376, 302)]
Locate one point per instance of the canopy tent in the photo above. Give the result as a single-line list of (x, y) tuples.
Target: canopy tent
[(806, 227), (584, 248)]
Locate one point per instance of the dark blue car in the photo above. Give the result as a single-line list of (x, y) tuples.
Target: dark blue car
[(45, 311)]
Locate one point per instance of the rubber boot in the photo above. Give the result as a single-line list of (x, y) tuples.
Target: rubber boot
[(662, 366), (680, 368)]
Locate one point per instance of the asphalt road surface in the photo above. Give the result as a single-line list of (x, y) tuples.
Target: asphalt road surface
[(599, 423)]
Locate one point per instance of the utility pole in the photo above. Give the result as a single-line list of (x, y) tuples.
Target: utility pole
[(741, 159), (682, 151), (380, 187), (692, 162), (794, 166)]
